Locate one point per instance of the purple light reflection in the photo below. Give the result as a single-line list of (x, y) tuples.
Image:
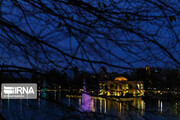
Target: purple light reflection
[(86, 102)]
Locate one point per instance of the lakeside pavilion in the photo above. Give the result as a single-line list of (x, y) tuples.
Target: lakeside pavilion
[(120, 86)]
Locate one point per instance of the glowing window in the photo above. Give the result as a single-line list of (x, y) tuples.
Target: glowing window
[(126, 86), (137, 86)]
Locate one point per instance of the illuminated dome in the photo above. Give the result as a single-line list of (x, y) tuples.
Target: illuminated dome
[(121, 79)]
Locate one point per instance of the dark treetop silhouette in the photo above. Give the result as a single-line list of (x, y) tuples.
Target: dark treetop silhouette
[(121, 34), (37, 35)]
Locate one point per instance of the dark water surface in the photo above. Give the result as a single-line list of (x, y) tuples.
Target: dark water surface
[(88, 108)]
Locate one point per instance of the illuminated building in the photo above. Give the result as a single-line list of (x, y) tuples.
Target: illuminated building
[(121, 87)]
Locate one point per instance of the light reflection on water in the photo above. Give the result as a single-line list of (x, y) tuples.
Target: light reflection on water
[(136, 107), (106, 105)]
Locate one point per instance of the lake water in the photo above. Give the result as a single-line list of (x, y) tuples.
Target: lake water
[(88, 108)]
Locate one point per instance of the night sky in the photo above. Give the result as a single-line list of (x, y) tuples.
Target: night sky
[(124, 37)]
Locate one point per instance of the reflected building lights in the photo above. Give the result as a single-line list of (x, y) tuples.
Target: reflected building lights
[(120, 106), (79, 101), (92, 106), (100, 105), (69, 102), (142, 107), (105, 106), (138, 104), (95, 105), (160, 106), (176, 109)]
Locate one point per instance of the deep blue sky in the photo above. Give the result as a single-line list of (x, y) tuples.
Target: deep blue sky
[(127, 47)]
